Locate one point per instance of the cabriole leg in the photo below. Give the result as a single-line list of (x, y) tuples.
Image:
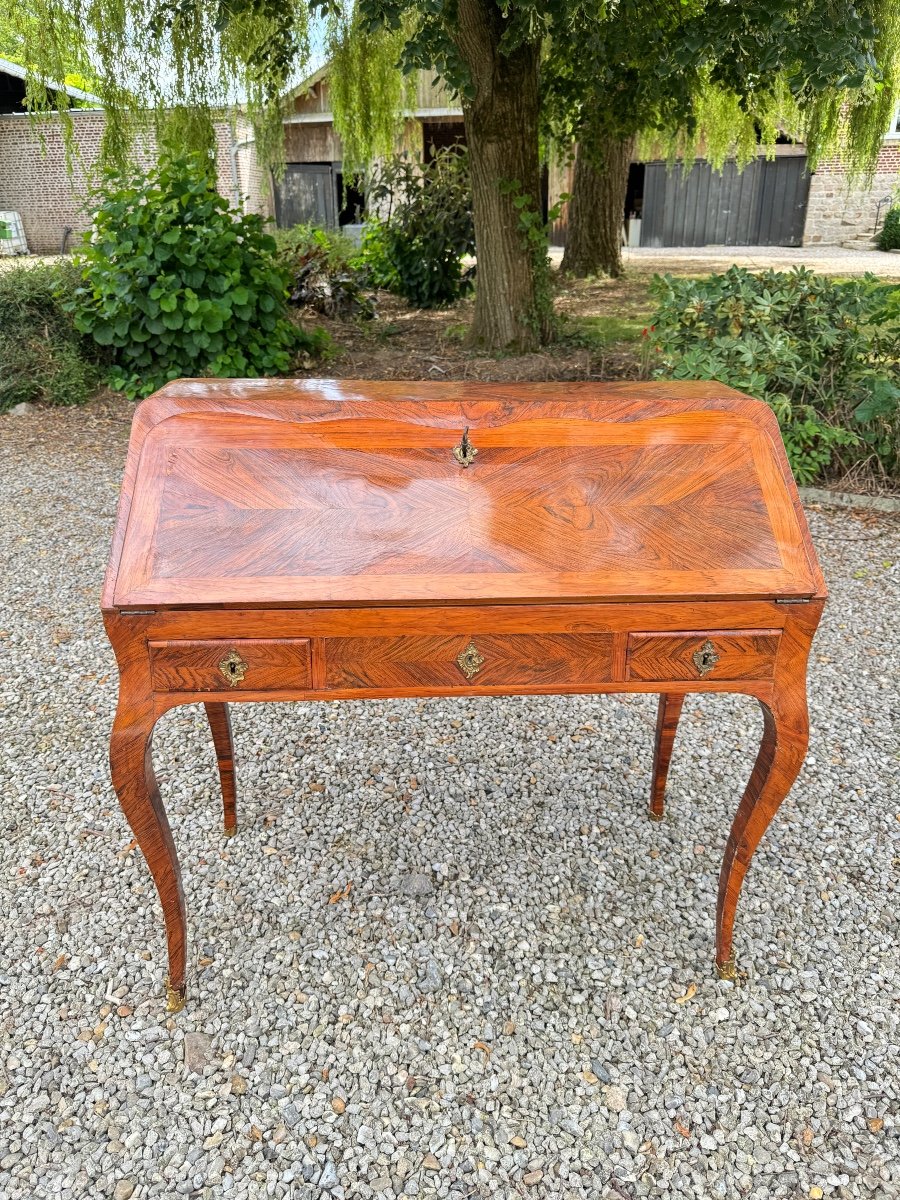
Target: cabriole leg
[(220, 725), (670, 705), (136, 788), (781, 753)]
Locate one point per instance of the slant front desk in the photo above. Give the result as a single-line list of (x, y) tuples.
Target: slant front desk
[(323, 540)]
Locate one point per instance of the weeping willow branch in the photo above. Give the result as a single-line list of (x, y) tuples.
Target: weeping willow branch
[(369, 92), (846, 119), (166, 66)]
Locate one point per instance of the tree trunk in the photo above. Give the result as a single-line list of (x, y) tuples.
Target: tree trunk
[(512, 309), (597, 209)]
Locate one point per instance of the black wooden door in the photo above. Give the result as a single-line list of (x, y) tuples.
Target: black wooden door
[(306, 193), (763, 205)]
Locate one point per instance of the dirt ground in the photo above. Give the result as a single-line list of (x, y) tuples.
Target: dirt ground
[(600, 336)]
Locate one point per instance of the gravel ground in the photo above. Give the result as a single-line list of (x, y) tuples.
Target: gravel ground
[(514, 998), (828, 260)]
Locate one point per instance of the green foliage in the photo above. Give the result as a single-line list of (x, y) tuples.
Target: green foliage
[(321, 272), (5, 231), (43, 357), (335, 250), (428, 229), (825, 355), (600, 332), (367, 89), (177, 285), (889, 237), (726, 76), (148, 58), (374, 256)]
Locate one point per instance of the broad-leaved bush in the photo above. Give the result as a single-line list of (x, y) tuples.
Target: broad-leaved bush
[(423, 227), (177, 284), (824, 354)]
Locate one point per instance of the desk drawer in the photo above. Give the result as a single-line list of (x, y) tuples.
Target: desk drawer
[(266, 665), (483, 660), (718, 654)]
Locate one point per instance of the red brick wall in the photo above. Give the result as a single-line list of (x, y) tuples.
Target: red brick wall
[(35, 181)]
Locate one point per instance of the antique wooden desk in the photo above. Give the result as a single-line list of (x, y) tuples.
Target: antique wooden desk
[(313, 540)]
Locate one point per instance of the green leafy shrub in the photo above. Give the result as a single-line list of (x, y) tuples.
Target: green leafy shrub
[(176, 284), (332, 248), (43, 357), (374, 257), (428, 228), (823, 354), (889, 237), (321, 273)]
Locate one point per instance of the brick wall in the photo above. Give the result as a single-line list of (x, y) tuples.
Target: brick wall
[(839, 213), (35, 180)]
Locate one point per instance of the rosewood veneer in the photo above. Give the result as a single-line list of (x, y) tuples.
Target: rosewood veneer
[(325, 540)]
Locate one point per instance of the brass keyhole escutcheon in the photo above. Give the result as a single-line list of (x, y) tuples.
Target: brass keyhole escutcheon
[(465, 452), (705, 658), (470, 661), (233, 668)]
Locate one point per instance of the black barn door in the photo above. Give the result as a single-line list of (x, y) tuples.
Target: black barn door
[(763, 205), (306, 193)]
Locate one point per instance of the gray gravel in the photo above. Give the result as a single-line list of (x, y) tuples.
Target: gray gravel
[(516, 996)]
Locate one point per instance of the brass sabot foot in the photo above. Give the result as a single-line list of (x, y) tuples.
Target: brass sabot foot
[(729, 970), (175, 997)]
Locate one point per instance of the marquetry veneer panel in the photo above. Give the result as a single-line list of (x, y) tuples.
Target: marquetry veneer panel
[(261, 665), (725, 654), (510, 660)]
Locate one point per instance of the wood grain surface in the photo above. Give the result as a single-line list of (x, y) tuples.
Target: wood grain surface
[(220, 728), (668, 712), (324, 532), (668, 656), (518, 660), (269, 664), (344, 498)]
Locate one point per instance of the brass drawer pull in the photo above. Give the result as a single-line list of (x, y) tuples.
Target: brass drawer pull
[(233, 668), (470, 661), (705, 658)]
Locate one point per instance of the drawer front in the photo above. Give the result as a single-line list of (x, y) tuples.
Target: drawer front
[(508, 660), (266, 665), (718, 654)]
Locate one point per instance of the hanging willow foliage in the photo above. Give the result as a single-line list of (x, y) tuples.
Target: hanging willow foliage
[(834, 107), (724, 127), (173, 66), (370, 94), (169, 67), (827, 73)]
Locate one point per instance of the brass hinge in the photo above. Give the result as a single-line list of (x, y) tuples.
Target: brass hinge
[(800, 600), (137, 612)]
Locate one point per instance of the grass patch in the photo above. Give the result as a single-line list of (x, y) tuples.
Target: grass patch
[(600, 332)]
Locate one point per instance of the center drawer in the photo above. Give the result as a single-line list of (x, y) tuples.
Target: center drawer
[(482, 660), (242, 664)]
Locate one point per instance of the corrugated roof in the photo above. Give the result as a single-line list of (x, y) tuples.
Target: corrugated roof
[(11, 68)]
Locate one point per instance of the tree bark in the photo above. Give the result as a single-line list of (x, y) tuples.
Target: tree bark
[(512, 309), (597, 209)]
